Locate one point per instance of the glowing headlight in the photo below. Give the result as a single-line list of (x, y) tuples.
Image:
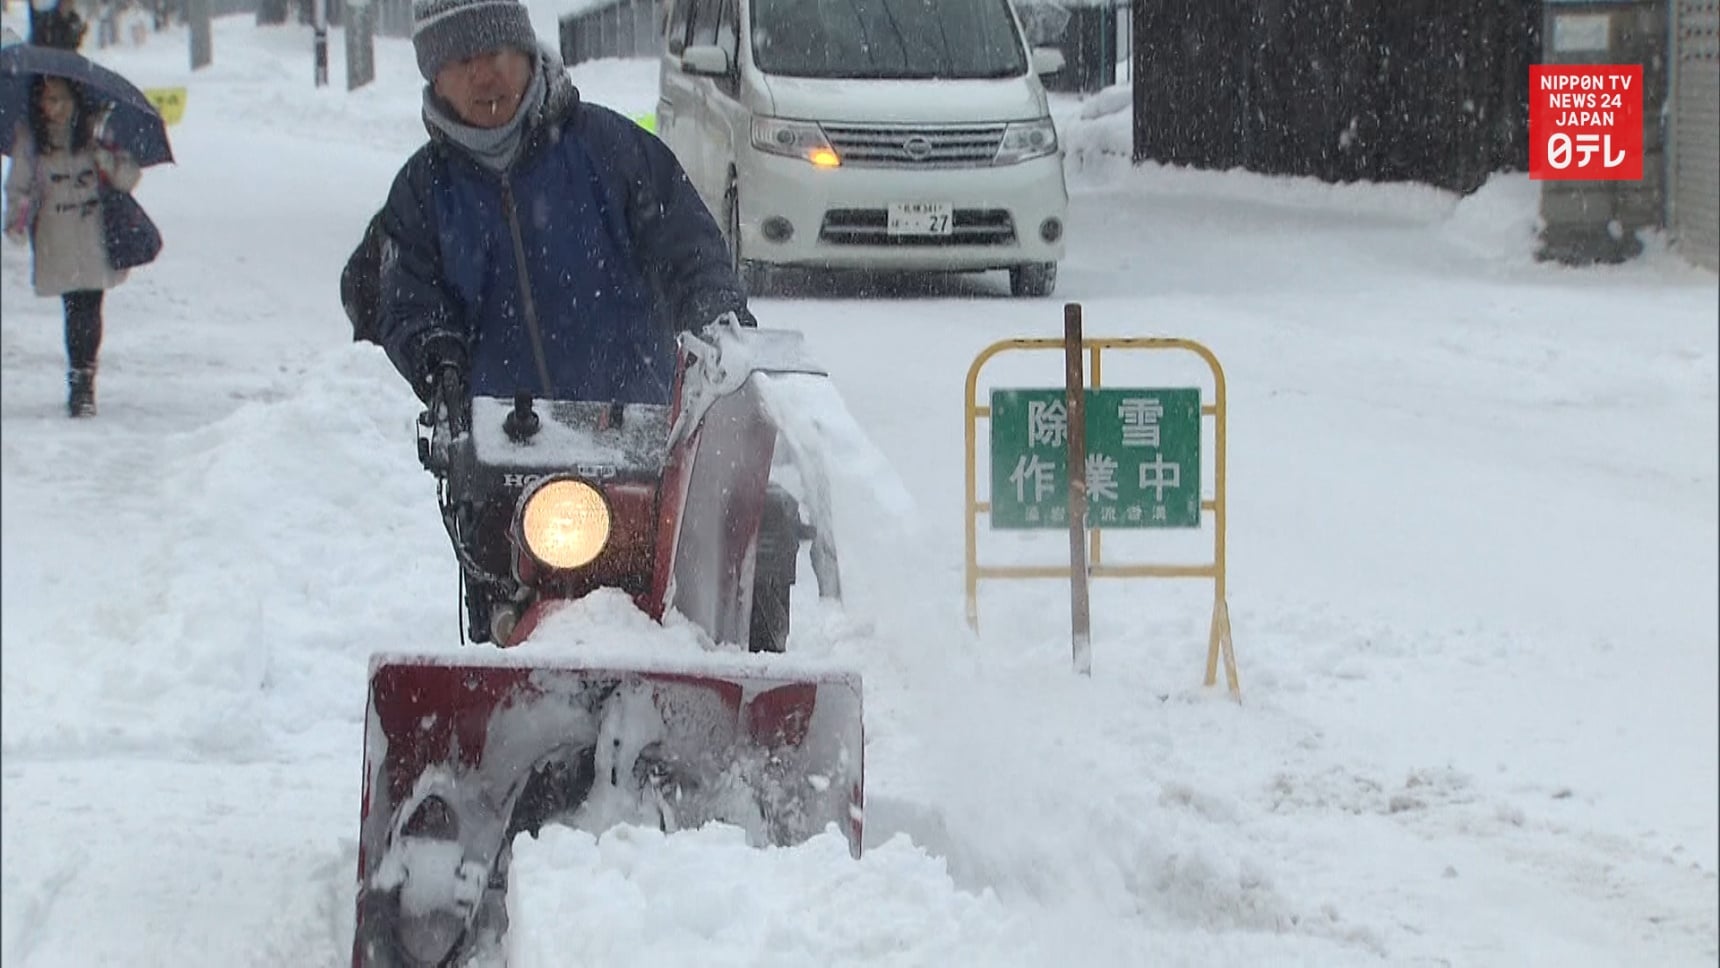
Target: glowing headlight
[(1023, 140), (795, 139), (565, 523)]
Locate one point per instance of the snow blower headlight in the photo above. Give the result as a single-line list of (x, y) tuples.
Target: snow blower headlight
[(565, 523)]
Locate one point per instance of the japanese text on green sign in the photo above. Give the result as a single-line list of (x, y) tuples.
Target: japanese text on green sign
[(1143, 458)]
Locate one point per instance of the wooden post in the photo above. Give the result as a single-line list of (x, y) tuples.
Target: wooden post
[(319, 44), (360, 26), (198, 13), (1075, 394)]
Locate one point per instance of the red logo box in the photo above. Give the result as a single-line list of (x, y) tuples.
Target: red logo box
[(1585, 122)]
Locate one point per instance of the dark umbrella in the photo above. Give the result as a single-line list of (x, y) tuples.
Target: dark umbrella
[(133, 124)]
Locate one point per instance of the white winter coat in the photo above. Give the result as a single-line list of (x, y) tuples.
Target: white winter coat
[(56, 194)]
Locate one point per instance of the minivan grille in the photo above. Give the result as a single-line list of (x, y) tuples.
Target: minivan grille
[(869, 226), (915, 146)]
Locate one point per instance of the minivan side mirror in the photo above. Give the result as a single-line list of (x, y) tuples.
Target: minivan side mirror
[(1046, 60), (706, 59)]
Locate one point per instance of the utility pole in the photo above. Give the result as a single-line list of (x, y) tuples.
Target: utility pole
[(359, 21), (202, 33), (319, 14)]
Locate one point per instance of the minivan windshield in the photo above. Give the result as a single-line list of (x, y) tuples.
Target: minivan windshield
[(886, 38)]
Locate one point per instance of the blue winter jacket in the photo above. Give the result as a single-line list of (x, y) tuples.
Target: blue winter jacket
[(567, 277)]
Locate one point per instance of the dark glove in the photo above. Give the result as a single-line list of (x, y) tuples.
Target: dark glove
[(706, 378), (705, 343), (744, 317), (437, 352), (739, 316), (451, 400)]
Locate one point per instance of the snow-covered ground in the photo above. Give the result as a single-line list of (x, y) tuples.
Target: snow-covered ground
[(1473, 579)]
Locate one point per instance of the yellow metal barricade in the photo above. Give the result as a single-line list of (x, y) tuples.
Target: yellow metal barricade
[(169, 101), (1219, 640)]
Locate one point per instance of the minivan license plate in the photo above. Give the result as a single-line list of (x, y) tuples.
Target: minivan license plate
[(920, 218)]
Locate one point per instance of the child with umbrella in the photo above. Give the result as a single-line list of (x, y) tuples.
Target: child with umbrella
[(66, 167)]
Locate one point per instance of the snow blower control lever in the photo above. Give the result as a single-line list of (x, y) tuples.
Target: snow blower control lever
[(521, 423), (445, 418)]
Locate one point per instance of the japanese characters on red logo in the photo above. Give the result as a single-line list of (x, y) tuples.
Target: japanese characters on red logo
[(1585, 122)]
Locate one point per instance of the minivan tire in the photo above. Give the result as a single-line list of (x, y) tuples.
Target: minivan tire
[(755, 276), (1034, 280)]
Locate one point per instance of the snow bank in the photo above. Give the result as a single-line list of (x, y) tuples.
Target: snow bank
[(1499, 220)]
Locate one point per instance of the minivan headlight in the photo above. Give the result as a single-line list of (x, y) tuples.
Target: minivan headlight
[(794, 139), (1023, 140)]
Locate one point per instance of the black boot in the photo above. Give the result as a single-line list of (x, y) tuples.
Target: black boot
[(81, 400)]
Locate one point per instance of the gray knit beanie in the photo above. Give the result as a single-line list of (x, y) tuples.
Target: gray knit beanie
[(453, 30)]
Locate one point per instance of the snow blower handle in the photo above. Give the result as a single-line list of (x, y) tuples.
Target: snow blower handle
[(453, 408), (445, 418)]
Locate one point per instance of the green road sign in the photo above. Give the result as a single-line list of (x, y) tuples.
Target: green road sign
[(1143, 458)]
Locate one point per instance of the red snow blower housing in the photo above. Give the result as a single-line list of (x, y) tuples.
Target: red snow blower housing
[(548, 501)]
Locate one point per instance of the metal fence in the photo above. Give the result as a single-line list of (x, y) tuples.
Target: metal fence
[(624, 29), (1093, 36), (1381, 90)]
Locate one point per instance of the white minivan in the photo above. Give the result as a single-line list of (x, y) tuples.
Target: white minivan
[(868, 134)]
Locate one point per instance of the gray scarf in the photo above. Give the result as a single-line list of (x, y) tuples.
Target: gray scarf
[(494, 148)]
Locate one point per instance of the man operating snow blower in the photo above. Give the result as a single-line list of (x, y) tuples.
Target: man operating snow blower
[(557, 294), (538, 243)]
